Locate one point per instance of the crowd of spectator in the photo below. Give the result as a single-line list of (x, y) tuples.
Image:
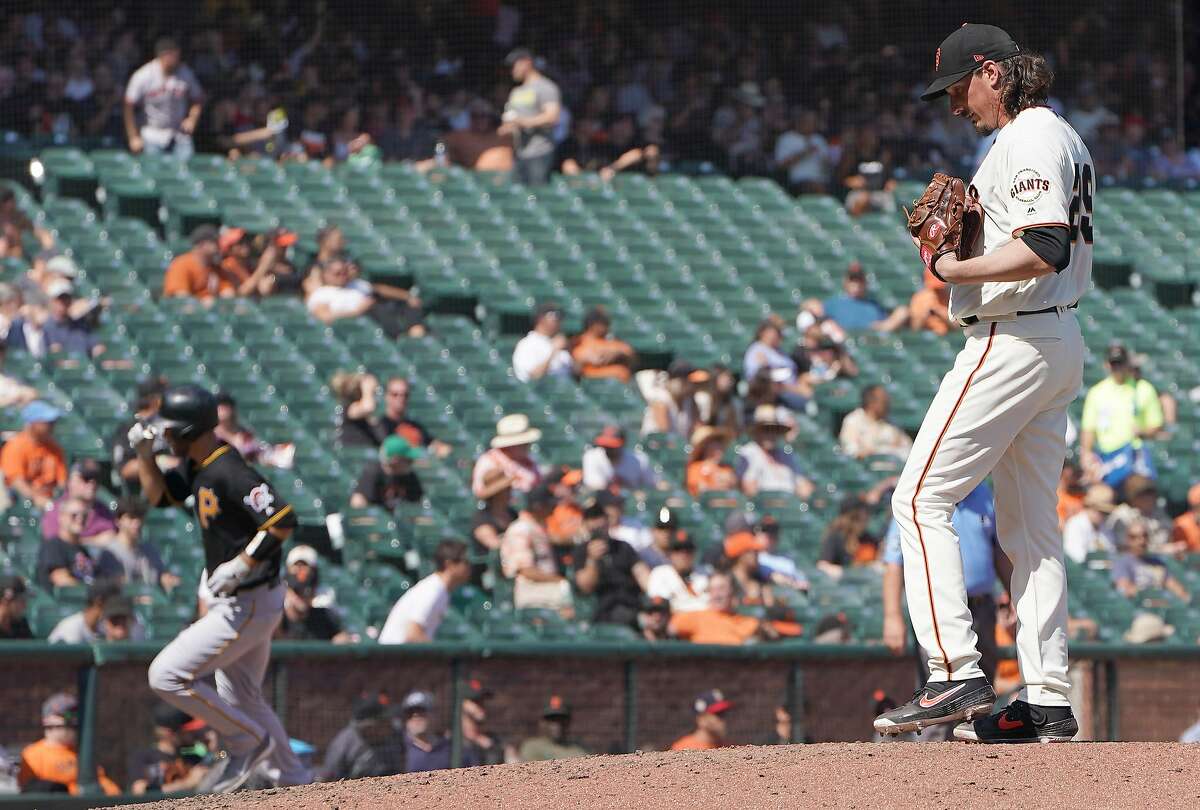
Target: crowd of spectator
[(823, 102), (560, 543), (379, 738)]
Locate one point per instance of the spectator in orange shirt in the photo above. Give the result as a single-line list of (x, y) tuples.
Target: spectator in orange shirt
[(33, 462), (1187, 526), (196, 274), (710, 708), (705, 469), (846, 541), (1070, 493), (51, 764), (929, 308), (237, 258), (598, 354), (719, 624)]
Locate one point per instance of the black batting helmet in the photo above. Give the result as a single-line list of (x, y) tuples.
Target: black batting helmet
[(188, 411)]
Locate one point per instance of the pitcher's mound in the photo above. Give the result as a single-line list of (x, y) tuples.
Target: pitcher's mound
[(1084, 775)]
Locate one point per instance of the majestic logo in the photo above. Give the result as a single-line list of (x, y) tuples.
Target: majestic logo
[(1028, 186), (937, 59), (928, 703), (260, 499), (207, 506)]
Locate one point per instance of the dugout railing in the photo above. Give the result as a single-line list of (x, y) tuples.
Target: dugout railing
[(625, 696)]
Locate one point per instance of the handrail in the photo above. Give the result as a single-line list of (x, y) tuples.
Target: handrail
[(104, 653)]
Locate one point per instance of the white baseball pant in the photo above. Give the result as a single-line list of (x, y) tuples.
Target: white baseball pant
[(233, 642), (1002, 409)]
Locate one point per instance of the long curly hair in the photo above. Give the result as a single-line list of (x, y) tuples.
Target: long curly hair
[(1026, 82)]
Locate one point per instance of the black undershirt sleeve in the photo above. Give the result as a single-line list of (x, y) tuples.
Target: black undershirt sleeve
[(1052, 245)]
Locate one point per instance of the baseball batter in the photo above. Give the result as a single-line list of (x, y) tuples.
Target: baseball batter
[(1002, 408), (243, 523)]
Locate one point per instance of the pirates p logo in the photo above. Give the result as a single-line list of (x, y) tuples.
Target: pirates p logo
[(937, 59), (207, 506)]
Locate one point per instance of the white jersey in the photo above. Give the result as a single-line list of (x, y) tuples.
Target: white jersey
[(1037, 173), (164, 98)]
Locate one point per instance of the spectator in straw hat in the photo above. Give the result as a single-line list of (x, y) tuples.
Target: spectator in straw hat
[(609, 462), (1087, 531), (763, 466), (706, 469), (510, 453)]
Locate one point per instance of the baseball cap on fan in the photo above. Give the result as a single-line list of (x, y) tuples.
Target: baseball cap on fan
[(964, 51)]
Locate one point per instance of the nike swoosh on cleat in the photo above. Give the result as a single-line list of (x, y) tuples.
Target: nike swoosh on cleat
[(929, 704), (1009, 725)]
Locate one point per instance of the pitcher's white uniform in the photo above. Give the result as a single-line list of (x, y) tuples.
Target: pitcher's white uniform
[(1002, 410)]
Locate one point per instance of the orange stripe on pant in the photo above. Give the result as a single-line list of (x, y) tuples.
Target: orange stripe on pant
[(920, 481)]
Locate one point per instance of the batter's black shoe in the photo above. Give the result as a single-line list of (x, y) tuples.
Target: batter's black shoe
[(939, 702), (238, 769), (1022, 722)]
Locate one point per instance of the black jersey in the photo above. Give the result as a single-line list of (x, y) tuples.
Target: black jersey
[(233, 503)]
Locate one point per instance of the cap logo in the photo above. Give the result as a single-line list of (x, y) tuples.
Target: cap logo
[(555, 702), (978, 57), (937, 59)]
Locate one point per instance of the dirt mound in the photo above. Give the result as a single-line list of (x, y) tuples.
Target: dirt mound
[(864, 775)]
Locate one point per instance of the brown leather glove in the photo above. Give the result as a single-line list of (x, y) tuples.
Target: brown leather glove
[(945, 220)]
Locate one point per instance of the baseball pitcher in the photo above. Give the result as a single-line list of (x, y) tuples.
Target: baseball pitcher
[(1015, 246)]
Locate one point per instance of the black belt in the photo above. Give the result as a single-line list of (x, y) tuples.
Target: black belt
[(978, 601), (270, 581), (974, 319)]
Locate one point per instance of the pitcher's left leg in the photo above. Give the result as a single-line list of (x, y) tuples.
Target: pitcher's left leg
[(1026, 481)]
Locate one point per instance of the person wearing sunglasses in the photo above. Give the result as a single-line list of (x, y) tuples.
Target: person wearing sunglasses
[(63, 560), (1136, 569), (83, 482)]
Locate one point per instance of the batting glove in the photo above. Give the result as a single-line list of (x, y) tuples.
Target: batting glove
[(228, 575), (139, 433)]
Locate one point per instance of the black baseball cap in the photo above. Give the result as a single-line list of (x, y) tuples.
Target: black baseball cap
[(370, 707), (1117, 355), (167, 716), (964, 51), (476, 691), (556, 707), (12, 586), (680, 541), (516, 55)]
